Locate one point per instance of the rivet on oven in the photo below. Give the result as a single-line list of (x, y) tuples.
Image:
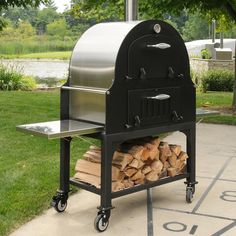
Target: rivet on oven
[(157, 28), (108, 93)]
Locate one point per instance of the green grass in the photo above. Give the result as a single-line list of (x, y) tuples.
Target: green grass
[(21, 47), (29, 166), (214, 99), (217, 100), (43, 55), (221, 119)]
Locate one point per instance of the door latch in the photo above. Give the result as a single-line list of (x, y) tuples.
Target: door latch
[(176, 117)]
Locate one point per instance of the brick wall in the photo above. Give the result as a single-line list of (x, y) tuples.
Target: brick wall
[(202, 65)]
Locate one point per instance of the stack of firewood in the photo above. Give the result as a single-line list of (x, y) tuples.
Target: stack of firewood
[(136, 162)]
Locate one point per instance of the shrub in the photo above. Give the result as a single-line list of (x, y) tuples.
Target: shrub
[(206, 54), (12, 79), (217, 80)]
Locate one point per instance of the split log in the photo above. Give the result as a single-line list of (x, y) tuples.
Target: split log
[(178, 164), (136, 151), (153, 151), (118, 185), (172, 159), (92, 156), (163, 174), (166, 165), (122, 159), (95, 148), (146, 169), (137, 175), (183, 156), (152, 176), (165, 151), (171, 172), (145, 155), (95, 169), (157, 166), (140, 181), (182, 168), (88, 178), (134, 163), (176, 149), (156, 141), (128, 183), (130, 171), (140, 164)]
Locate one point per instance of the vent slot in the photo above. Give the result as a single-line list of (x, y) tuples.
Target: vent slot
[(153, 108)]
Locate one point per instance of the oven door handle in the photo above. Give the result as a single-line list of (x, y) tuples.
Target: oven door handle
[(160, 97), (160, 46)]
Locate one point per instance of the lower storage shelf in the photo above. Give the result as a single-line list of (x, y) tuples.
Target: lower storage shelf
[(130, 190)]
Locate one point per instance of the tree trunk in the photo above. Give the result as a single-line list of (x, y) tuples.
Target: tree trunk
[(234, 91)]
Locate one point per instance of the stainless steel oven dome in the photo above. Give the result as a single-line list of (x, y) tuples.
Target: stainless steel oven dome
[(94, 56)]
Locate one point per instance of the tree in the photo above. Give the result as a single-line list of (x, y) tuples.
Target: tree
[(153, 8), (196, 27), (26, 30), (15, 14), (57, 28), (45, 17), (51, 4), (5, 4)]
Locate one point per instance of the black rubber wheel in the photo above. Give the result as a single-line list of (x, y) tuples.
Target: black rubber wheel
[(193, 189), (189, 195), (59, 205), (101, 223)]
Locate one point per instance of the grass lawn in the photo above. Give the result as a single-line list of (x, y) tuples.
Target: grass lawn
[(218, 101), (43, 55), (29, 166)]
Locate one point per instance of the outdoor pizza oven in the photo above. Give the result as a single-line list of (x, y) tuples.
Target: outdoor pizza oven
[(130, 75), (127, 80)]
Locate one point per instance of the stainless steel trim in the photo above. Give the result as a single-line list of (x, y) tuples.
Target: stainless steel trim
[(160, 97), (60, 128), (131, 10), (160, 46), (85, 89)]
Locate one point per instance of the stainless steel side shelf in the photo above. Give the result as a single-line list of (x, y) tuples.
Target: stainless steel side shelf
[(60, 128)]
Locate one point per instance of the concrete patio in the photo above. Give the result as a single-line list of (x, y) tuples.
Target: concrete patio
[(212, 212)]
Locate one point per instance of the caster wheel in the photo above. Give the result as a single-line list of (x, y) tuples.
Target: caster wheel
[(189, 195), (101, 222), (59, 205), (193, 188)]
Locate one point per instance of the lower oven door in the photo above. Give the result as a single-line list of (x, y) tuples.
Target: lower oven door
[(153, 106)]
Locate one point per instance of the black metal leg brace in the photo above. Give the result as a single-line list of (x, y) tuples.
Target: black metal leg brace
[(106, 174), (65, 165), (191, 151)]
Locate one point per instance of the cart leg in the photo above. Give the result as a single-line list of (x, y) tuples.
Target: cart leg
[(59, 201), (102, 219), (191, 163)]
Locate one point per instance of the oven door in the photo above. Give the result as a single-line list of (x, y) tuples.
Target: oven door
[(151, 56), (153, 106)]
